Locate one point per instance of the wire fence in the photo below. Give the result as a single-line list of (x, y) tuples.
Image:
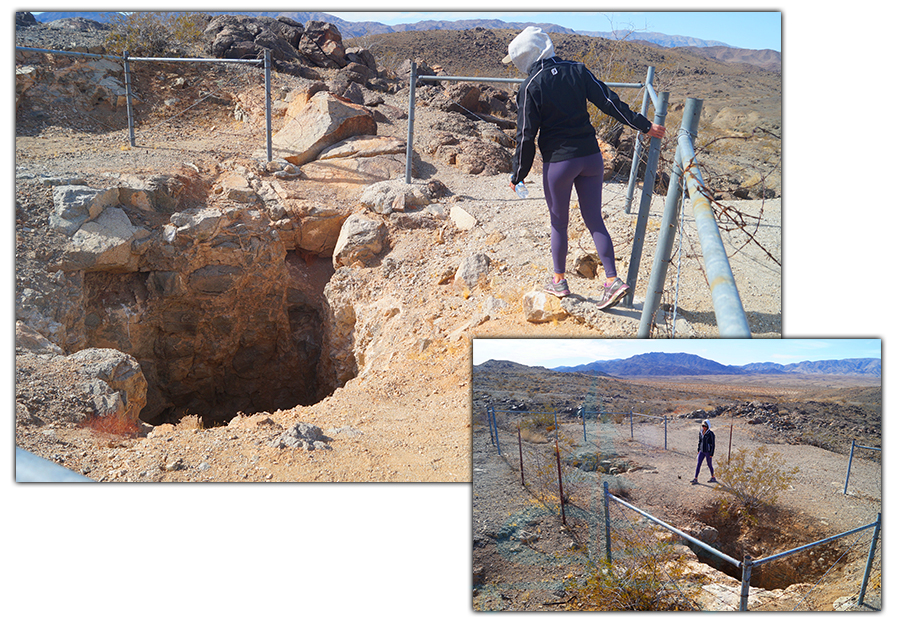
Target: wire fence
[(569, 463), (853, 448), (199, 106), (809, 569), (562, 454)]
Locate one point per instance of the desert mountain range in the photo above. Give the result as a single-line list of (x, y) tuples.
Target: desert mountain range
[(712, 49), (682, 364)]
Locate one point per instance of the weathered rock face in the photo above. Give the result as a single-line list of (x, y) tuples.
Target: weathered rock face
[(96, 382), (208, 299), (323, 122), (295, 47)]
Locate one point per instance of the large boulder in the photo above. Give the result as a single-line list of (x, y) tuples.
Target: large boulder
[(321, 43), (74, 205), (104, 244), (540, 307), (324, 121), (94, 382), (295, 48), (361, 239)]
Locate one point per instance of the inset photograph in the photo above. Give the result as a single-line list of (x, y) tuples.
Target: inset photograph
[(673, 475)]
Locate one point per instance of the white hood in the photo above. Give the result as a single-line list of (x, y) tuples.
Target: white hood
[(528, 47)]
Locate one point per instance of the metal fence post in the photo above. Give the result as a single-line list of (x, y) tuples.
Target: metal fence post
[(268, 75), (490, 425), (666, 433), (640, 229), (865, 582), (496, 430), (583, 424), (730, 434), (730, 316), (849, 462), (521, 461), (606, 515), (636, 159), (128, 108), (562, 502), (666, 240), (412, 116), (746, 569)]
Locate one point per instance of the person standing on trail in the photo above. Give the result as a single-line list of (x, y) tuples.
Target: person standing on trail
[(706, 447), (553, 101)]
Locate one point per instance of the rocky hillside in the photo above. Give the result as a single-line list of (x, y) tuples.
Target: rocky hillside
[(317, 288)]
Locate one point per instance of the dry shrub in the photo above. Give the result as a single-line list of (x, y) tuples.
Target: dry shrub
[(752, 481), (112, 424), (533, 436), (643, 578), (190, 421)]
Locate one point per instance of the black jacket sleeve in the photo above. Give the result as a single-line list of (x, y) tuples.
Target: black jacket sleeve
[(527, 125), (609, 103)]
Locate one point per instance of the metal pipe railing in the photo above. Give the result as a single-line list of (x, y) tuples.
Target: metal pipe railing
[(32, 468), (746, 566), (125, 59), (414, 77), (635, 159), (850, 461), (640, 229), (670, 528), (729, 312)]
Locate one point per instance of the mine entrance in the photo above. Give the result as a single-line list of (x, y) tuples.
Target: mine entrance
[(217, 340), (774, 531)]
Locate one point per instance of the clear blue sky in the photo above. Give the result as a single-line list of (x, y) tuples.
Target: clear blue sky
[(744, 29), (552, 353)]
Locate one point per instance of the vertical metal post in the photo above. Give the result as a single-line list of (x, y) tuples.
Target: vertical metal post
[(865, 582), (730, 433), (666, 433), (521, 462), (746, 569), (268, 75), (636, 159), (583, 424), (849, 462), (562, 502), (490, 425), (496, 431), (606, 515), (730, 316), (640, 229), (128, 108), (412, 116), (666, 240), (664, 244)]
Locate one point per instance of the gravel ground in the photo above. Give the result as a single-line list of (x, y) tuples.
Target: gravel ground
[(524, 555)]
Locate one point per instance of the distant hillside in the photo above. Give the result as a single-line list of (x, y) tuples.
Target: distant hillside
[(360, 29), (681, 364), (654, 364), (660, 39)]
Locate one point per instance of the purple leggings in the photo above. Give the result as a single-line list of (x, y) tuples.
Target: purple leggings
[(586, 174), (700, 458)]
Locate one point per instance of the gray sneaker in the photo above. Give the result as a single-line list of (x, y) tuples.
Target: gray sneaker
[(612, 294), (560, 288)]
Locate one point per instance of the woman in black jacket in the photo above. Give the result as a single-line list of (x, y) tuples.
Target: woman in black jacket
[(553, 101), (706, 447)]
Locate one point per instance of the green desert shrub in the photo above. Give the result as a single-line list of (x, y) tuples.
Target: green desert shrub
[(752, 480)]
